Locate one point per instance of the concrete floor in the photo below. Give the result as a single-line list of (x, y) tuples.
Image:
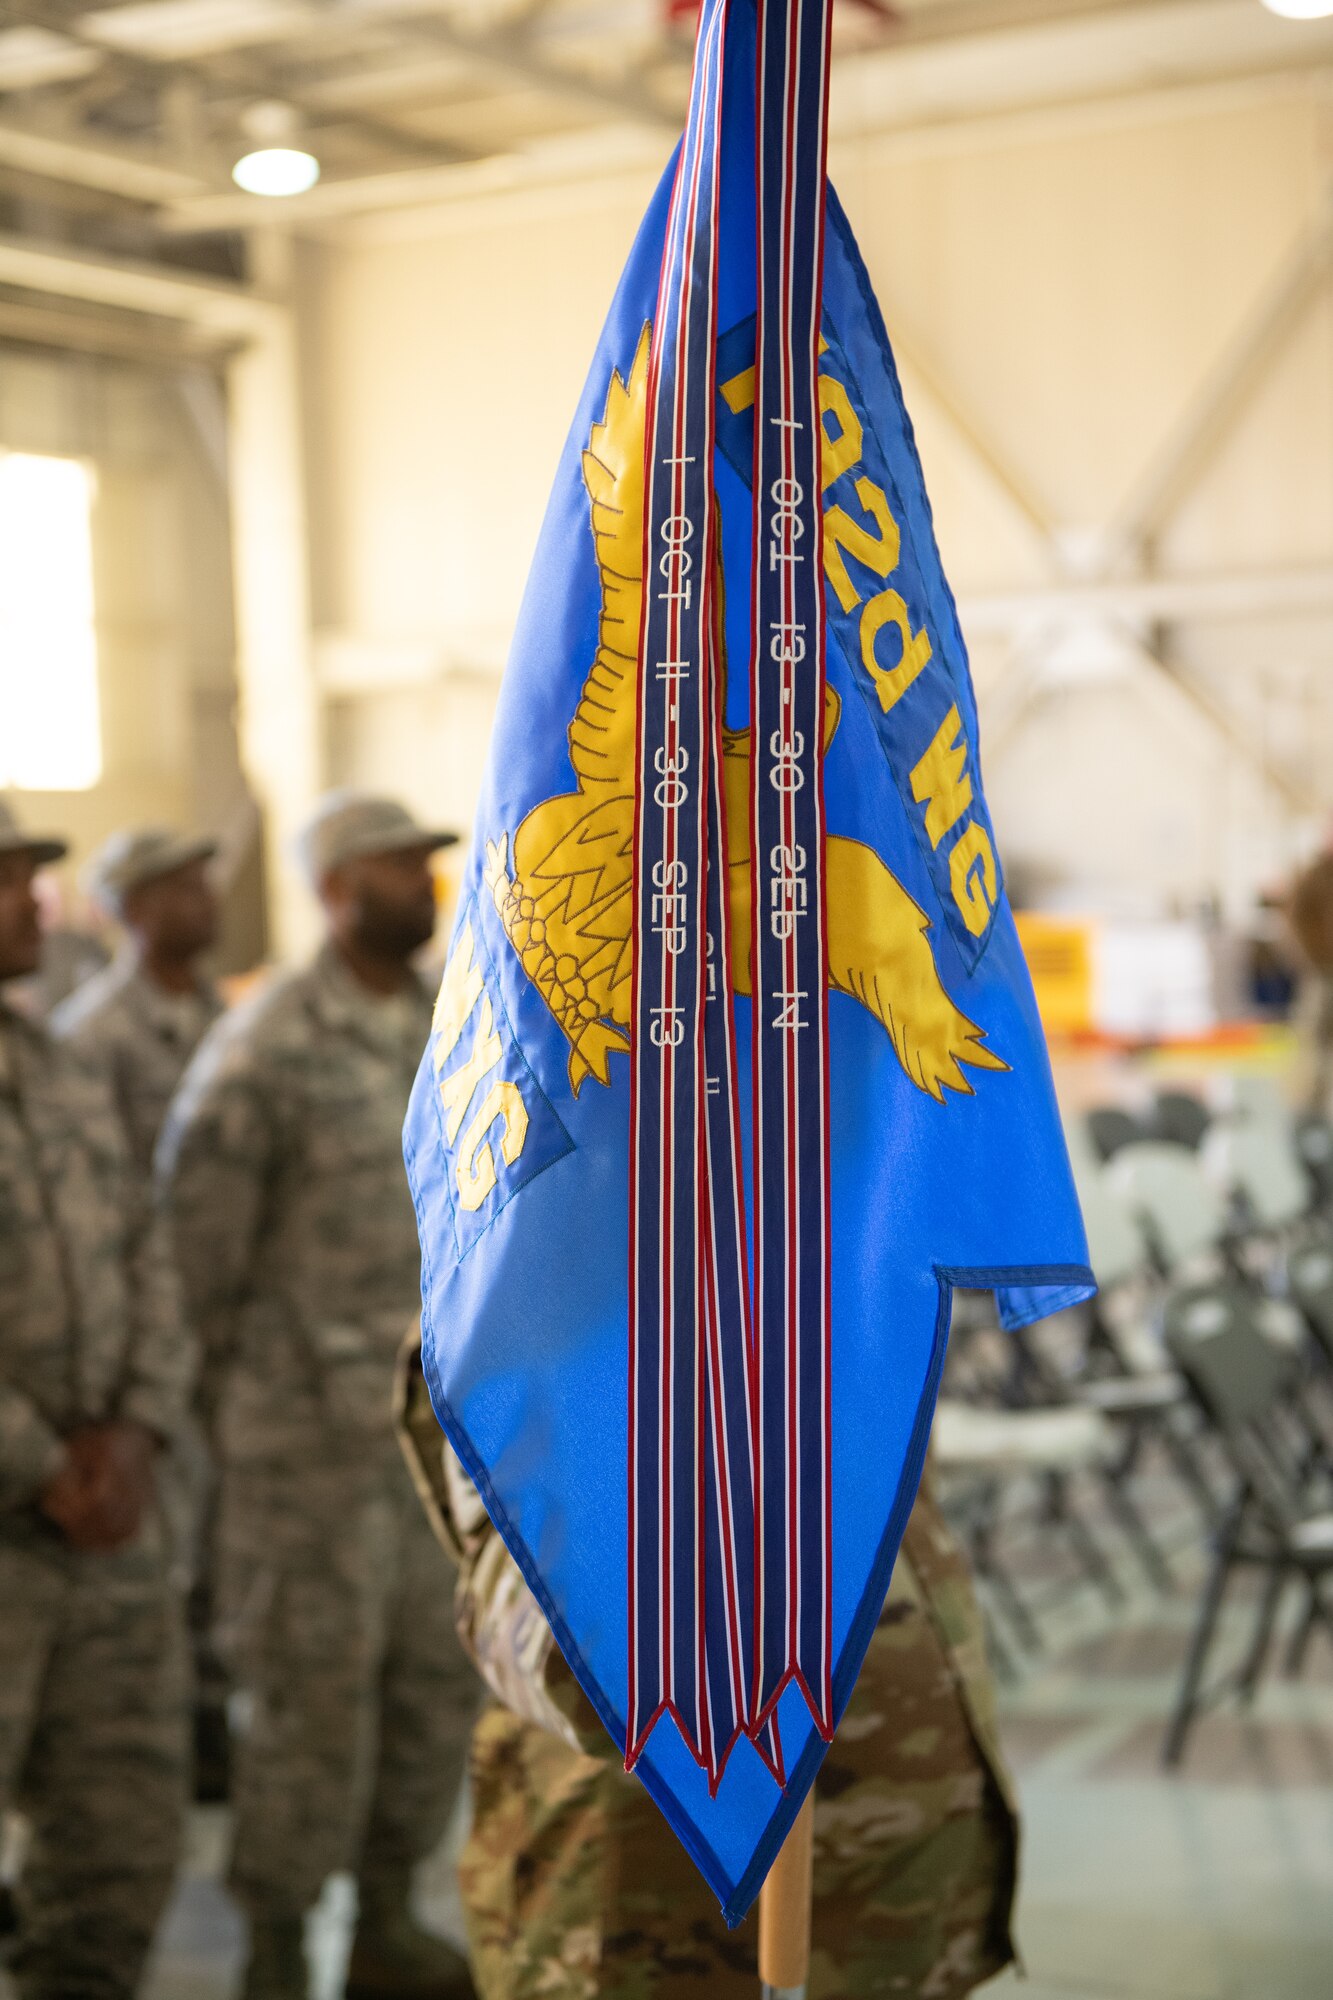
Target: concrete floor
[(201, 1948), (1217, 1885), (1214, 1883)]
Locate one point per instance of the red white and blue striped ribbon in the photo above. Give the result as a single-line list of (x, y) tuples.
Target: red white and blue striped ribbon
[(789, 945), (671, 1215), (728, 1543)]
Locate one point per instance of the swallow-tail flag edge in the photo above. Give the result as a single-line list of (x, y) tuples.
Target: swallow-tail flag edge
[(519, 1136), (1063, 1286)]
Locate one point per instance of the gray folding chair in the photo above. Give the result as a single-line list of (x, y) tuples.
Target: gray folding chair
[(1310, 1282), (1111, 1128), (1180, 1118), (1138, 1387), (1240, 1376), (1254, 1162), (1257, 1098), (1182, 1216), (980, 1451), (1073, 1366), (1313, 1140)]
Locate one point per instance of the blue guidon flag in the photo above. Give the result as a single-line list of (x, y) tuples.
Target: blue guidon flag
[(735, 1070)]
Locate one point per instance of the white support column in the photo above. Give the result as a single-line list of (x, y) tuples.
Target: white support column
[(280, 724)]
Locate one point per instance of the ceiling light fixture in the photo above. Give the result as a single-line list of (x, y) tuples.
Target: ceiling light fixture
[(1300, 10), (276, 171), (276, 166)]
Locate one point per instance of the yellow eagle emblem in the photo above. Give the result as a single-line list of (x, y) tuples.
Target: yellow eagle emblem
[(565, 897)]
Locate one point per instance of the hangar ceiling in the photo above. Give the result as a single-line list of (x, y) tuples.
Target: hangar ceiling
[(120, 124)]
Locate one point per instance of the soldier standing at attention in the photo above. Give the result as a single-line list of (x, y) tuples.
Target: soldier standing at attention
[(282, 1172), (140, 1020), (94, 1377), (147, 1012)]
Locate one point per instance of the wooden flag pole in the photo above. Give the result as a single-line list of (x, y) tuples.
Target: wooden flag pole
[(785, 1909)]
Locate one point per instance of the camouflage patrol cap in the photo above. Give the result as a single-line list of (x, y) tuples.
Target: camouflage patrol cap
[(137, 855), (346, 825), (43, 847)]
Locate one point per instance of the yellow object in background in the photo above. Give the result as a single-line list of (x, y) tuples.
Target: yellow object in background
[(1059, 952)]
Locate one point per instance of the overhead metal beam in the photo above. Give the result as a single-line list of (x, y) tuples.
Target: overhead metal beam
[(1211, 416), (518, 50), (1223, 723), (138, 177), (1003, 62), (1032, 687), (967, 426), (519, 54), (592, 157), (1019, 686), (58, 272), (229, 69), (538, 170), (129, 337), (1152, 600), (511, 50), (969, 18)]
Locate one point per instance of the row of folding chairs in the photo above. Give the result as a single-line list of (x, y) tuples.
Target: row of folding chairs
[(1239, 1228), (1181, 1117), (1212, 1340)]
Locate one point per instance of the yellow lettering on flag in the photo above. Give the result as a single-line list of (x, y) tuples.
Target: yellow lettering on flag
[(475, 1172), (460, 989), (838, 454), (456, 1089), (892, 683), (940, 782), (878, 552), (738, 393), (973, 877)]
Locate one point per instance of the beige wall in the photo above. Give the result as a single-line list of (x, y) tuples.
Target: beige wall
[(1066, 292), (441, 371)]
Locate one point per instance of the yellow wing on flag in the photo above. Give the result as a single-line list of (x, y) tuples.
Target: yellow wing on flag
[(565, 896), (566, 906)]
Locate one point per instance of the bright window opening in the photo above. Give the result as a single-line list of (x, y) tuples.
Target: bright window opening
[(50, 721)]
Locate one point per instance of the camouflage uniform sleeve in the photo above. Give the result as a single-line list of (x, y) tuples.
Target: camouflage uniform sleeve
[(212, 1161), (30, 1451), (92, 1044), (30, 1448), (161, 1369), (500, 1622)]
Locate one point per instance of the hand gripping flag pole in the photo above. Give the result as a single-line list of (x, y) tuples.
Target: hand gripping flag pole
[(736, 1070)]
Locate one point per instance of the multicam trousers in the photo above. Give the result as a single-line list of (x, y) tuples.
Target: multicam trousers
[(573, 1884), (93, 1752)]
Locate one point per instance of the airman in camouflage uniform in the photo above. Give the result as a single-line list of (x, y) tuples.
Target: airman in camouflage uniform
[(94, 1377), (282, 1173), (143, 1017), (140, 1020), (572, 1882)]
